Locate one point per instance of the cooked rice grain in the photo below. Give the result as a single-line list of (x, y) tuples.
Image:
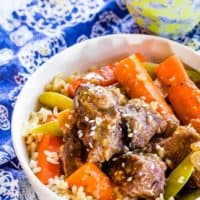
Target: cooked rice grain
[(31, 141), (39, 117), (52, 157), (60, 186)]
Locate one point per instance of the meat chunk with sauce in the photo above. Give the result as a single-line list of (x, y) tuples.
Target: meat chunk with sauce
[(71, 153), (194, 182), (141, 176), (98, 122), (142, 122), (175, 148)]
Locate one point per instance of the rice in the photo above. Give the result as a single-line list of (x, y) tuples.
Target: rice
[(56, 184), (58, 84), (52, 157), (39, 117), (34, 166), (60, 187), (31, 141), (161, 197)]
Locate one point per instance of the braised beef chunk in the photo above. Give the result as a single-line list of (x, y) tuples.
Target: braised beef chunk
[(71, 153), (98, 122), (120, 97), (141, 176), (172, 124), (175, 148), (194, 182), (142, 122)]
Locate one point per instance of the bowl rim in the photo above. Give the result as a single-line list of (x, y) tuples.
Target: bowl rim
[(24, 164)]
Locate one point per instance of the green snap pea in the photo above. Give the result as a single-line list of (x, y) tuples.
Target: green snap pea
[(194, 75), (54, 99), (150, 67), (51, 128), (178, 178)]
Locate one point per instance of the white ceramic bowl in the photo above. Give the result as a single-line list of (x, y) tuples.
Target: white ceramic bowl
[(79, 57)]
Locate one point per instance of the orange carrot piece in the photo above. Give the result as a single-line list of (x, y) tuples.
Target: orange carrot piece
[(93, 180), (104, 77), (140, 57), (183, 94), (48, 170), (66, 117), (106, 72), (185, 101), (171, 71), (74, 85), (137, 82)]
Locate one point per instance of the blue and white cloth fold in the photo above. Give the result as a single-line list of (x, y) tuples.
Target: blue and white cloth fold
[(29, 35)]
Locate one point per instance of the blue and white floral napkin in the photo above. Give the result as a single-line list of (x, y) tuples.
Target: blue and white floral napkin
[(29, 35)]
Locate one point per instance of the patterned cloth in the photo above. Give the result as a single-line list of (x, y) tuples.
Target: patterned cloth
[(29, 36)]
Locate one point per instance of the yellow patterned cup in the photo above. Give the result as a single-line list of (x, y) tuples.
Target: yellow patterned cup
[(165, 17)]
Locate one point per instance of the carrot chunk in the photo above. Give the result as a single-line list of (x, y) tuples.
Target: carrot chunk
[(93, 180), (131, 74), (183, 94), (171, 71), (74, 85), (185, 101), (140, 57), (103, 76), (48, 170)]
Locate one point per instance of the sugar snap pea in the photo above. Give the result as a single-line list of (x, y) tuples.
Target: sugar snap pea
[(51, 128), (178, 178), (54, 99)]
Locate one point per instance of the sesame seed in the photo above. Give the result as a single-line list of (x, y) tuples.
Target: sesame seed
[(98, 120), (126, 148), (67, 125), (130, 135), (114, 159), (80, 133), (90, 145), (181, 179), (87, 119), (129, 179), (93, 128), (69, 117), (92, 133), (149, 119), (172, 79)]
